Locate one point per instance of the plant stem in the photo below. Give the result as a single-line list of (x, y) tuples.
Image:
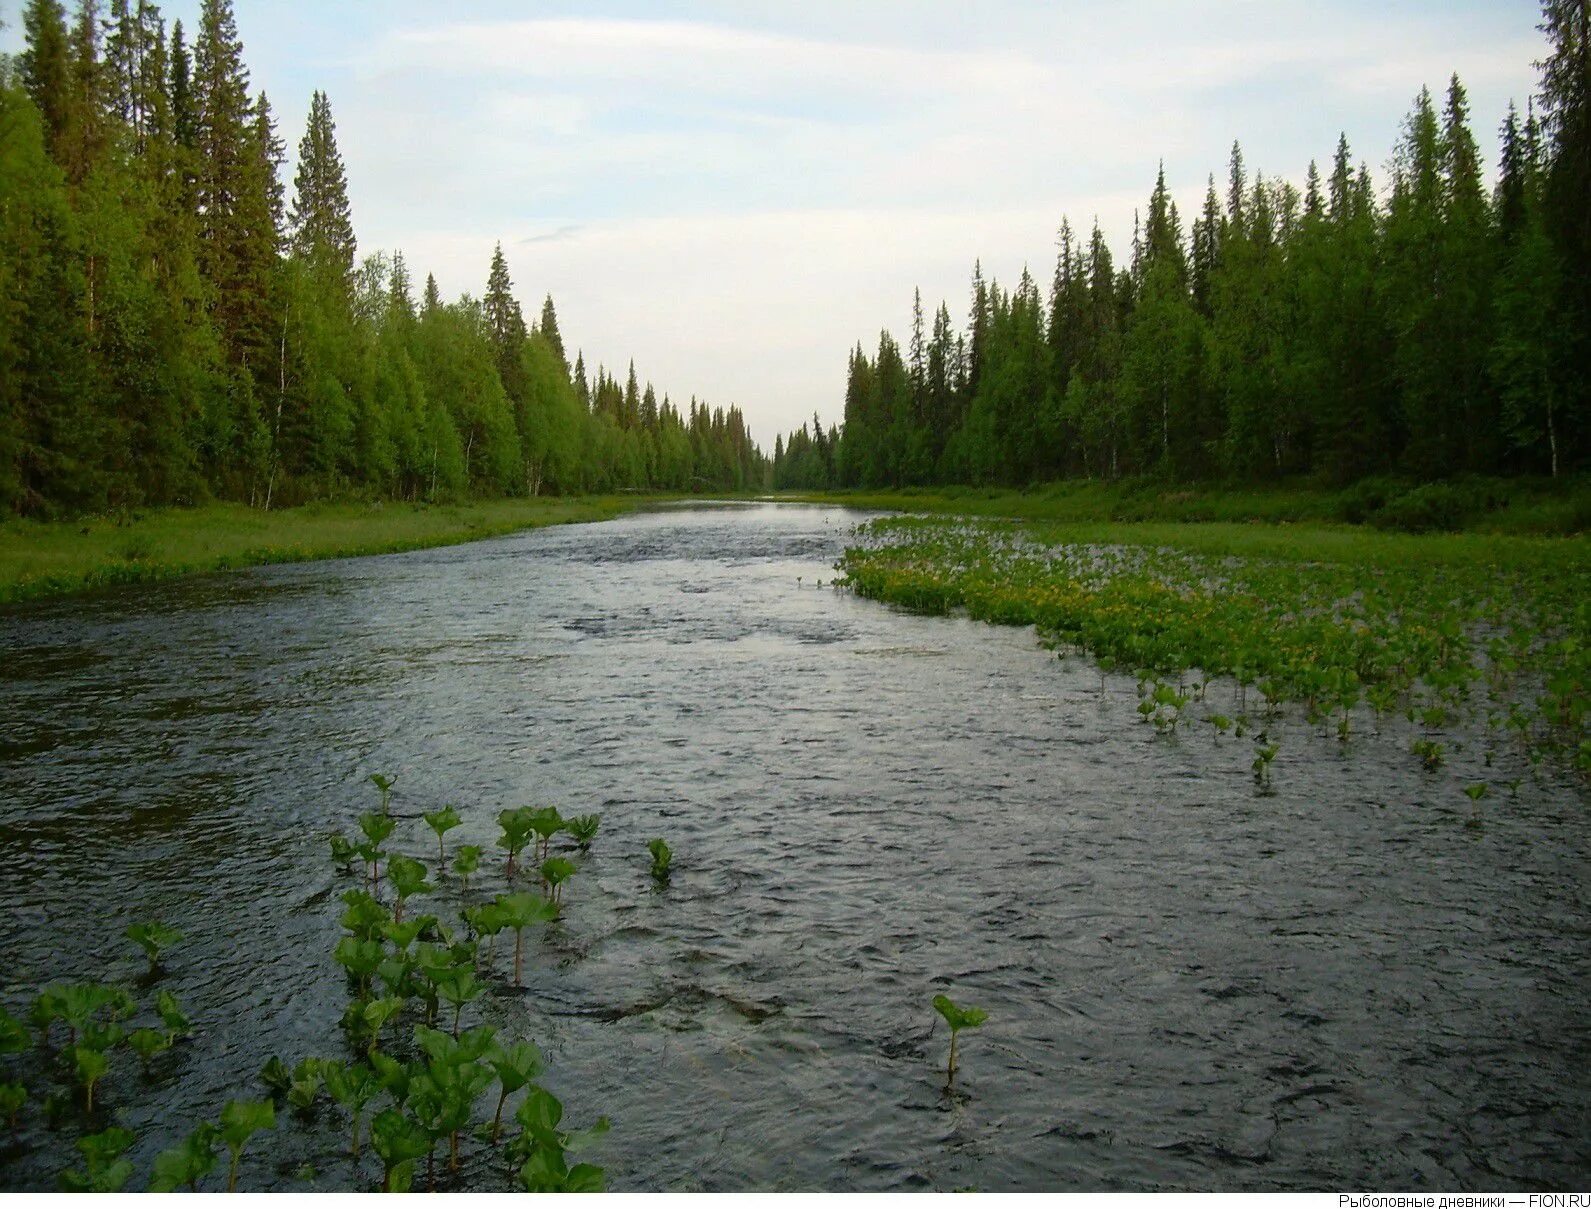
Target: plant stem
[(232, 1172), (497, 1119), (950, 1068)]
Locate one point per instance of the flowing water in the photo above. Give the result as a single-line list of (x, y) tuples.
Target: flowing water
[(1188, 985)]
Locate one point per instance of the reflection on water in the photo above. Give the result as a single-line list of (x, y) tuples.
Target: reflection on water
[(1188, 986)]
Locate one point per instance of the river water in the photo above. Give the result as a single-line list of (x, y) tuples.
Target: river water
[(1188, 986)]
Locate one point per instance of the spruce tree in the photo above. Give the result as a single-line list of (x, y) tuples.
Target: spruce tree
[(320, 222)]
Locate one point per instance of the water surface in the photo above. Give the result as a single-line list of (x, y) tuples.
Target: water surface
[(1188, 986)]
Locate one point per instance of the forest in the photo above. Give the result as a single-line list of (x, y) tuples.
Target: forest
[(1337, 331), (176, 327)]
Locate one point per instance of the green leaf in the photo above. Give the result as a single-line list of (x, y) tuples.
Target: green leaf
[(442, 821), (152, 937), (242, 1119), (516, 1065), (958, 1018), (188, 1163)]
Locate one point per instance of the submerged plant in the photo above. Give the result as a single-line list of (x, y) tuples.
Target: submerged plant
[(957, 1018), (662, 859), (152, 937), (442, 821)]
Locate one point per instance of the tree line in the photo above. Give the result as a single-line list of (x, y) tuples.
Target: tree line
[(1331, 331), (174, 326)]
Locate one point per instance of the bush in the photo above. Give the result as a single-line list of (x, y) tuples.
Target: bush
[(1445, 506)]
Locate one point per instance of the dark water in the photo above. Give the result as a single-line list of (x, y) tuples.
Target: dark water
[(1188, 986)]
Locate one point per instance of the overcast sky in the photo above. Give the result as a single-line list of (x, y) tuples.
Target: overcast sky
[(735, 193)]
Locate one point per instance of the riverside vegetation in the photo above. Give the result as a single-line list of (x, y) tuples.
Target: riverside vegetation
[(415, 1081), (1335, 625), (413, 1084)]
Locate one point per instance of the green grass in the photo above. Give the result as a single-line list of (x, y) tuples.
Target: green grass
[(1473, 505), (56, 558)]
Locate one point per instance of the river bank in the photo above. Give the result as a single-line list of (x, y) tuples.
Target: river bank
[(57, 558), (1519, 506)]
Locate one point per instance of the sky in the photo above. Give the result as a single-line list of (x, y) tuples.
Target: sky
[(734, 194)]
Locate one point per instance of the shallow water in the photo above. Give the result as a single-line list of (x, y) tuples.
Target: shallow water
[(1189, 986)]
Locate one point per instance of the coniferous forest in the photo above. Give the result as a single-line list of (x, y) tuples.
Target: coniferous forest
[(177, 323), (1425, 327)]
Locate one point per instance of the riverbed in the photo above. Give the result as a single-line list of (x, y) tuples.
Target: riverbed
[(1189, 985)]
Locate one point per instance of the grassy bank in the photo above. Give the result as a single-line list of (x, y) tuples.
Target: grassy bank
[(1490, 631), (60, 557), (1502, 506)]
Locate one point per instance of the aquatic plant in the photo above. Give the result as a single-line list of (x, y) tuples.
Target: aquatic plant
[(343, 851), (383, 785), (399, 1139), (172, 1016), (352, 1086), (542, 1149), (662, 859), (1430, 752), (1476, 793), (957, 1018), (555, 871), (583, 829), (90, 1064), (442, 821), (465, 862), (240, 1121), (106, 1169), (515, 1066), (458, 986), (516, 825), (407, 876), (546, 823), (152, 937), (276, 1075), (378, 829), (147, 1042), (12, 1097), (184, 1165), (519, 911), (1264, 755)]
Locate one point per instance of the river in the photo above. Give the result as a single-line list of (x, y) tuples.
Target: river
[(1188, 986)]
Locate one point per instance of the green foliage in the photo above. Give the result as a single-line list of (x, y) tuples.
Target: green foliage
[(662, 859), (184, 1165), (240, 1121), (957, 1018), (582, 828), (152, 937), (106, 1169), (442, 821)]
